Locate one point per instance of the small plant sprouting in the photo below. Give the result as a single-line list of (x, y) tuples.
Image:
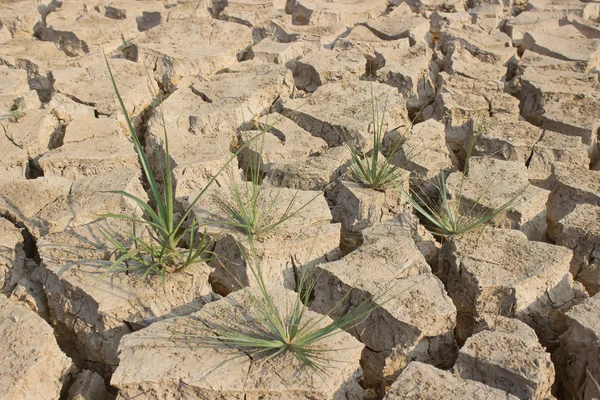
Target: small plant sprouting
[(444, 218), (191, 7), (253, 210), (274, 331), (160, 252), (375, 171), (15, 114)]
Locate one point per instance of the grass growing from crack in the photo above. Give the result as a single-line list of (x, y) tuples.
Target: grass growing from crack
[(275, 332), (14, 114), (376, 171), (160, 252), (444, 216), (250, 209), (191, 7)]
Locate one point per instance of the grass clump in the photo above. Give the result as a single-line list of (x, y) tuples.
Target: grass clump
[(252, 209), (160, 251), (375, 171), (443, 214), (275, 331)]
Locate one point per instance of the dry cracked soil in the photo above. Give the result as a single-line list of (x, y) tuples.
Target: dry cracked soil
[(510, 311)]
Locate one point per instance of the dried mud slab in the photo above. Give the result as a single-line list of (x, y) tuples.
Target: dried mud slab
[(89, 198), (36, 132), (315, 172), (564, 102), (33, 366), (364, 40), (202, 120), (419, 381), (565, 43), (552, 148), (400, 24), (357, 207), (424, 153), (91, 86), (506, 138), (13, 84), (18, 19), (488, 47), (254, 14), (190, 369), (349, 12), (14, 163), (12, 255), (312, 36), (580, 347), (507, 356), (94, 311), (500, 272), (307, 237), (25, 200), (408, 69), (569, 187), (90, 157), (271, 51), (55, 203), (78, 28), (562, 9), (579, 231), (491, 183), (283, 142), (341, 112), (519, 25), (318, 67), (191, 46), (88, 385), (389, 270), (455, 108)]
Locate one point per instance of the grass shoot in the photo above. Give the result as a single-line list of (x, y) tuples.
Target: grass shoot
[(159, 252), (275, 331), (252, 209), (444, 216)]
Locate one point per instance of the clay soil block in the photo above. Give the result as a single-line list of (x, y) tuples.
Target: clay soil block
[(491, 183), (570, 186), (33, 366), (507, 356), (190, 369), (308, 237), (580, 231), (93, 312), (500, 272), (581, 349), (191, 46), (203, 117), (358, 207), (422, 381), (389, 270), (341, 112)]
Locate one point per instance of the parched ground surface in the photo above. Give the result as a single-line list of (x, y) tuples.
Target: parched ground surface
[(512, 312)]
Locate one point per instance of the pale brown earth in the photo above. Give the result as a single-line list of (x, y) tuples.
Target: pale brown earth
[(511, 311)]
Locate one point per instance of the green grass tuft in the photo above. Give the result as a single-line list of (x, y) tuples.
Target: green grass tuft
[(276, 332), (375, 171), (250, 210), (159, 252), (443, 216)]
